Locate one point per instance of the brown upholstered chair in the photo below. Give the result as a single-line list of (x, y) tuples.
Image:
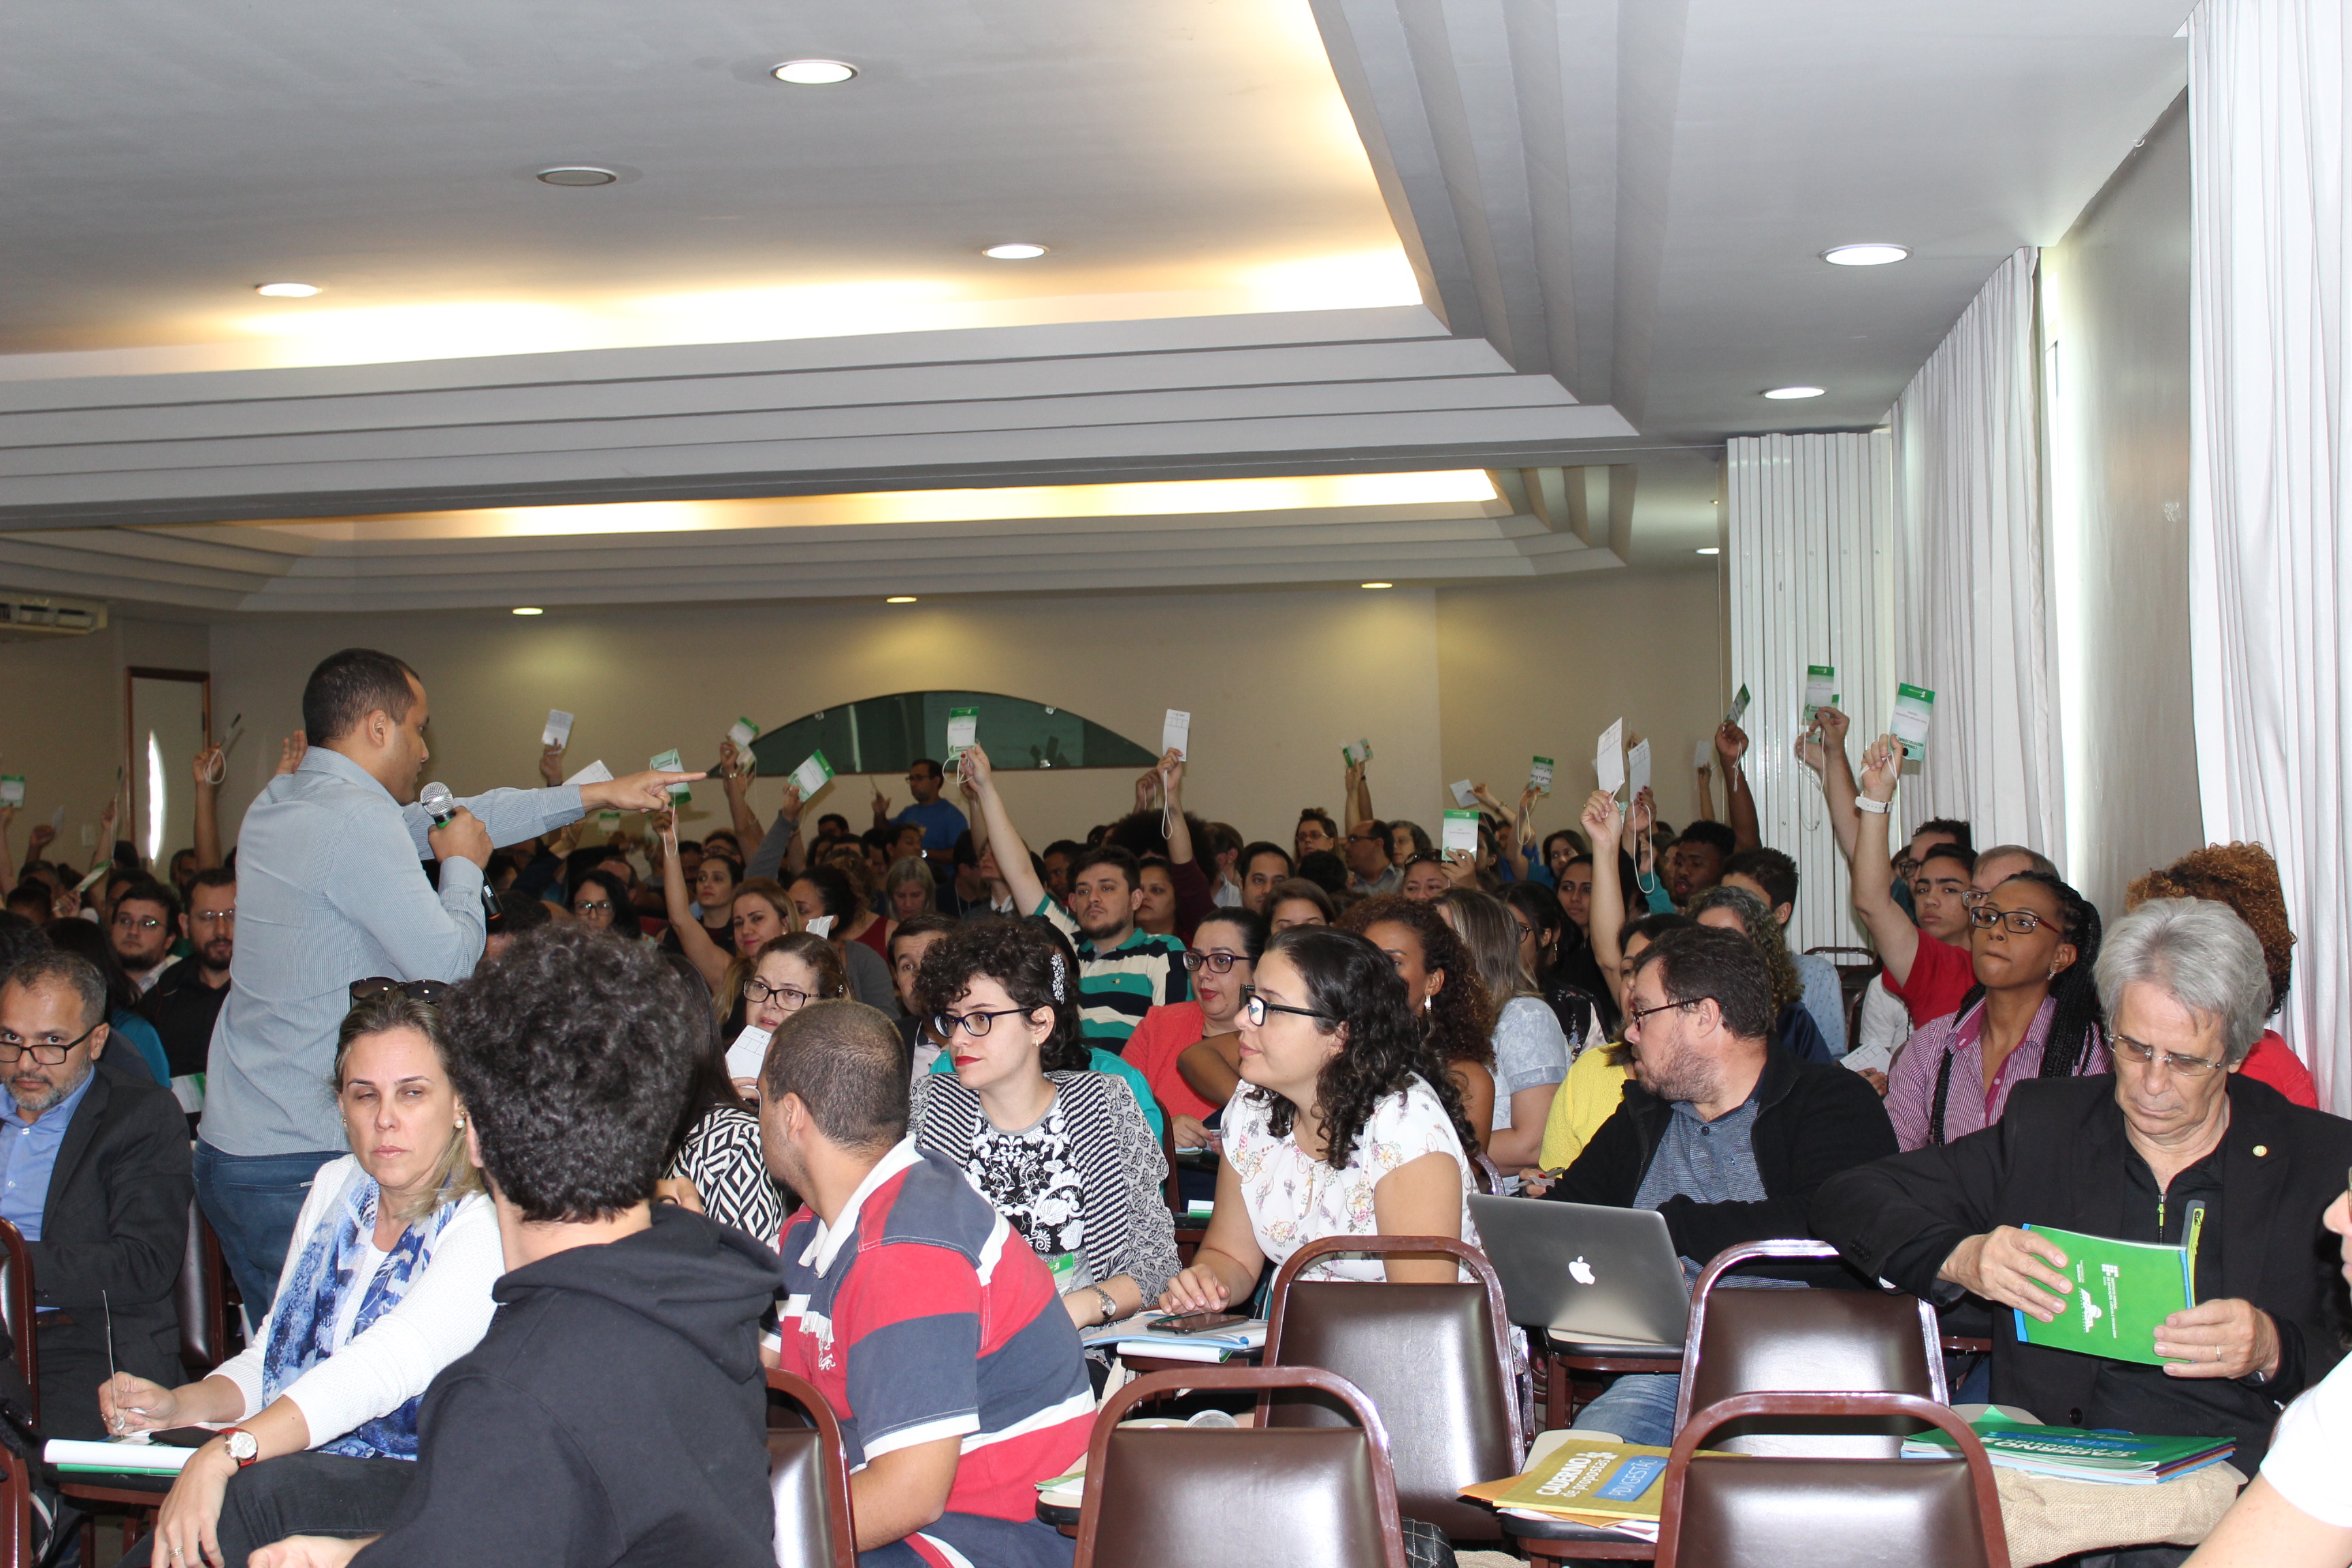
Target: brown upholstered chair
[(1807, 1342), (202, 1293), (1768, 1513), (808, 1472), (1434, 1360), (17, 1309), (1189, 1497)]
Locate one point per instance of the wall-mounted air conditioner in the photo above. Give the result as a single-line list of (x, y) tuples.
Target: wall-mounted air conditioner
[(47, 615)]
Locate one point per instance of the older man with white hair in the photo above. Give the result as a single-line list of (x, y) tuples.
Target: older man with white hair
[(2128, 1155)]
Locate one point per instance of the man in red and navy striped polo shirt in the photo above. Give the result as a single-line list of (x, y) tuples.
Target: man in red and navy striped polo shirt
[(932, 1328)]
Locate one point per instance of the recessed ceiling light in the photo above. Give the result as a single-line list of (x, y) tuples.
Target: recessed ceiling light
[(1710, 550), (286, 290), (1379, 584), (1785, 392), (899, 599), (1871, 254), (528, 610), (814, 73), (577, 175), (1021, 251)]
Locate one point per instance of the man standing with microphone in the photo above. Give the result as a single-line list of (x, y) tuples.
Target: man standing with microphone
[(332, 889)]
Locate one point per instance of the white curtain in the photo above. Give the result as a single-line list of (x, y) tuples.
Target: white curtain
[(1975, 620), (2267, 474)]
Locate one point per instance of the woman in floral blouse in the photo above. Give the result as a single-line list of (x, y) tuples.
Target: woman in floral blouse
[(1064, 1154), (1346, 1124)]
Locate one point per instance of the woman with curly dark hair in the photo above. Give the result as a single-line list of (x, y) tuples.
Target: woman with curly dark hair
[(1064, 1153), (1349, 1126), (2034, 1012), (2245, 878), (1443, 989)]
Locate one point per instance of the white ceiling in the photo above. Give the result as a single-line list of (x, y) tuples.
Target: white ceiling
[(1341, 237)]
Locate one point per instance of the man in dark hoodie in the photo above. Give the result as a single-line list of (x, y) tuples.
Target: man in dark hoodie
[(615, 1413)]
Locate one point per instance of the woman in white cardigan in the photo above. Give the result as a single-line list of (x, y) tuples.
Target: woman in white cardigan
[(388, 1280)]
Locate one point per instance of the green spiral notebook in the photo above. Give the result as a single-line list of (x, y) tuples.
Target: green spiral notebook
[(2122, 1292)]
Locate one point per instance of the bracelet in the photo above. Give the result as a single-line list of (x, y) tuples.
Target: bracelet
[(1875, 807)]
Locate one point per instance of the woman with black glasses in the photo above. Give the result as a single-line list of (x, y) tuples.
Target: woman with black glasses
[(1349, 1126), (1188, 1051), (1064, 1152)]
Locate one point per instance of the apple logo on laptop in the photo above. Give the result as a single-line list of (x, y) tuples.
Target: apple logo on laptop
[(1580, 1271)]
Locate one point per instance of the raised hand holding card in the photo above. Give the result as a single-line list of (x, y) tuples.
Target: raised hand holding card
[(557, 731)]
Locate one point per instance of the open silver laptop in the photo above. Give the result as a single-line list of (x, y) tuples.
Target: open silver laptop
[(1589, 1274)]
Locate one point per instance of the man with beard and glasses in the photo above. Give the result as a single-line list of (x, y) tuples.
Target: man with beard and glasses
[(94, 1172), (145, 922), (187, 996), (1123, 973)]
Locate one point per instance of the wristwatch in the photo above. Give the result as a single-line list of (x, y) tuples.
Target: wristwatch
[(1875, 807), (243, 1446), (1109, 1305)]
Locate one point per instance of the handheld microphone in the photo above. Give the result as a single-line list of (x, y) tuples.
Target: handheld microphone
[(439, 803)]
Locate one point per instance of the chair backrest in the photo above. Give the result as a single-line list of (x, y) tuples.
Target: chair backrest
[(808, 1473), (202, 1292), (1830, 1513), (1170, 1190), (1806, 1342), (17, 1309), (1189, 1497), (1856, 967), (1434, 1360)]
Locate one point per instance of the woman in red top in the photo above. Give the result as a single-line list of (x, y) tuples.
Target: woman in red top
[(1223, 958), (2245, 878)]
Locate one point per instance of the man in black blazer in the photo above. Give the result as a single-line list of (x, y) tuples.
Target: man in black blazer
[(2129, 1156), (94, 1170)]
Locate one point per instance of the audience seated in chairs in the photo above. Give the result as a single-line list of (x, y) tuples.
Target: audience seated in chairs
[(2129, 1156), (912, 1308), (98, 1181), (1064, 1154), (1350, 1126), (387, 1282), (612, 1413), (1725, 1134)]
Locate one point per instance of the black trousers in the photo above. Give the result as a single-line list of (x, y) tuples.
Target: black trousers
[(302, 1494)]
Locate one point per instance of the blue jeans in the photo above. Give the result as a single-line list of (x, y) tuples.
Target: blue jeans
[(1639, 1408), (253, 1201)]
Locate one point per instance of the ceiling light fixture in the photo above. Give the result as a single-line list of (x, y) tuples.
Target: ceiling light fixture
[(1875, 254), (577, 175), (528, 610), (814, 73), (1710, 550), (899, 599), (1783, 393), (1379, 584), (1018, 251), (285, 291)]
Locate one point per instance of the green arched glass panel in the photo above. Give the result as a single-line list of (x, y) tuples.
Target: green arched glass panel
[(886, 734)]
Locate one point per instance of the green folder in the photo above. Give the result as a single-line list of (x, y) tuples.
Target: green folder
[(2122, 1292)]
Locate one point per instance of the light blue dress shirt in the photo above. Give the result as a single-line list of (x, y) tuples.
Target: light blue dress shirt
[(331, 888), (28, 1153)]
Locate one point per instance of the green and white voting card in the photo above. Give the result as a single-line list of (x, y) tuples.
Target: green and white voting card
[(742, 731), (607, 821), (11, 789), (556, 734), (668, 762), (1821, 691), (2122, 1292), (1915, 707), (1637, 768), (1539, 775), (1608, 758), (1176, 734), (1460, 832), (812, 775), (963, 729), (1357, 754), (1738, 706)]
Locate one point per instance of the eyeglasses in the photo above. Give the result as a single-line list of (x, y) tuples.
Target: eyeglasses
[(1258, 1007), (945, 1024), (2141, 1053), (1633, 1015), (2025, 922), (756, 991), (1215, 962), (430, 991), (1971, 899), (48, 1054), (214, 917), (137, 923), (1907, 868)]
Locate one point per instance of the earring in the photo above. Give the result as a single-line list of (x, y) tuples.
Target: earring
[(1429, 1004), (461, 1124)]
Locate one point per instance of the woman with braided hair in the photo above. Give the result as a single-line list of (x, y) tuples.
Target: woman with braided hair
[(2034, 1012)]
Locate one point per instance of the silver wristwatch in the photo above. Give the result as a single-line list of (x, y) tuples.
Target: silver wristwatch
[(1109, 1305)]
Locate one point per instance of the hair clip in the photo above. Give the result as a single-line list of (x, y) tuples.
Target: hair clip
[(1061, 977)]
